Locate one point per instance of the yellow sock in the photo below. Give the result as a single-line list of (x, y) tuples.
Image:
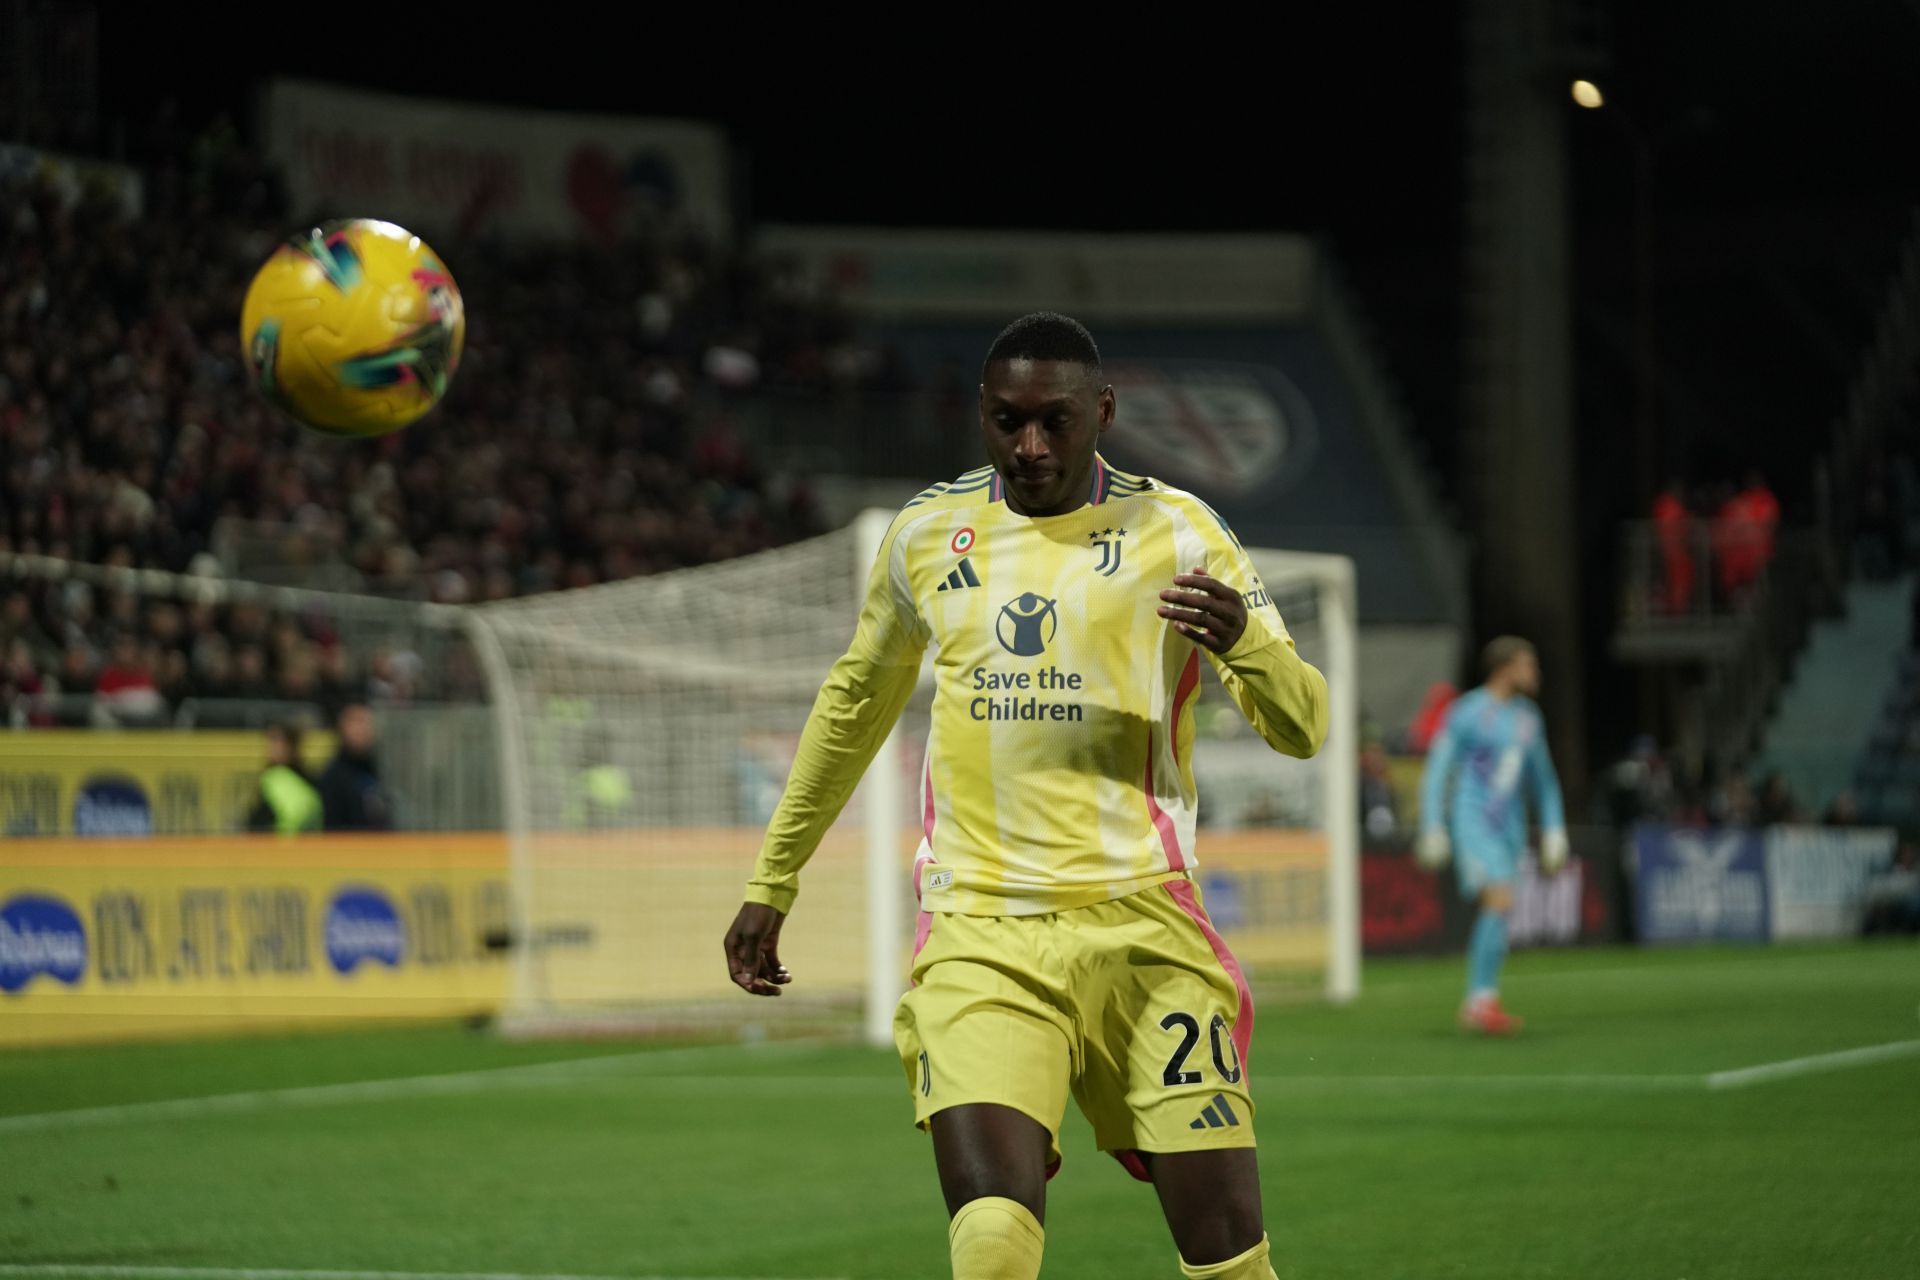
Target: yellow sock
[(995, 1239), (1251, 1265)]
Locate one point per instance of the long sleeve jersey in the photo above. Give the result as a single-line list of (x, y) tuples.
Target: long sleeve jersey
[(1059, 768), (1490, 753)]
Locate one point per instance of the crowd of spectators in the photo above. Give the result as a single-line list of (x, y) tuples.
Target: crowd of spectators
[(586, 438), (71, 654), (1644, 786)]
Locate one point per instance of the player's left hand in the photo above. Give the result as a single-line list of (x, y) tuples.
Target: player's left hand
[(1553, 851), (1209, 612)]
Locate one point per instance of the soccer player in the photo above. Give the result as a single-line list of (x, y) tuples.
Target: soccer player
[(1062, 947), (1492, 742)]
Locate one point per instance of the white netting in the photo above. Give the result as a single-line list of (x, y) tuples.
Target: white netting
[(650, 725), (654, 723)]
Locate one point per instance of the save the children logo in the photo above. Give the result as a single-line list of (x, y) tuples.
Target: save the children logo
[(1027, 625)]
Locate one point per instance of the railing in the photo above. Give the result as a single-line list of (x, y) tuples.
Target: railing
[(1734, 601), (90, 711), (1697, 573)]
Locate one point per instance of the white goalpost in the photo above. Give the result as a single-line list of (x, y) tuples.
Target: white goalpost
[(644, 730)]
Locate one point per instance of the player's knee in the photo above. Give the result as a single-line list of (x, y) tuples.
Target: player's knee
[(1212, 1203), (1497, 897), (988, 1152), (1225, 1231), (963, 1186)]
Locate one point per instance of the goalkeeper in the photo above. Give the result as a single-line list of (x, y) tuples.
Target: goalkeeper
[(1492, 741)]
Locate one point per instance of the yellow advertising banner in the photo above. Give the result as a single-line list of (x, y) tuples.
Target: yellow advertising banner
[(88, 782), (1266, 892), (110, 939)]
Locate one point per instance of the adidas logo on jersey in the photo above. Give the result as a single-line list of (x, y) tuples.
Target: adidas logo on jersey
[(1216, 1115), (962, 576)]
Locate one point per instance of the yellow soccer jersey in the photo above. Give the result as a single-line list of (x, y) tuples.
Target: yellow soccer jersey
[(1060, 764)]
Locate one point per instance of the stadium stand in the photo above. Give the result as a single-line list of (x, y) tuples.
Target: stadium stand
[(130, 436)]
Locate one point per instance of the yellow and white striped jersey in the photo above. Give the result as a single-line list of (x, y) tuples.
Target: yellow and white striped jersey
[(1060, 763)]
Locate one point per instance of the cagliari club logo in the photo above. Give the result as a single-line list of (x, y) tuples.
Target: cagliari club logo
[(1027, 625), (1226, 428)]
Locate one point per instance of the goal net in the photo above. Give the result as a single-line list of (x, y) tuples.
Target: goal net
[(645, 729)]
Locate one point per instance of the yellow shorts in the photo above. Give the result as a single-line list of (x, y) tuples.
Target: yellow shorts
[(1135, 1005)]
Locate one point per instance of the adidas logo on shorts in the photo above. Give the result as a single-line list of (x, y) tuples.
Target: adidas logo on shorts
[(1216, 1115)]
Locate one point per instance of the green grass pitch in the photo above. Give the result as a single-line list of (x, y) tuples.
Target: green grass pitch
[(1594, 1145)]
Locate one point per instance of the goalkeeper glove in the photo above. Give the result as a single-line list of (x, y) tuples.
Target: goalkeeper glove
[(1433, 848), (1553, 851)]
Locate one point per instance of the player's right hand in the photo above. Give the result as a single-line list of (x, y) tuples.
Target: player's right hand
[(753, 950), (1433, 848)]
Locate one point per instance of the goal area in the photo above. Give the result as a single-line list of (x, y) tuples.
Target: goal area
[(644, 730)]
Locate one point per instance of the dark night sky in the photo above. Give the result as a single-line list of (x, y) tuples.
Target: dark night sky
[(1336, 118)]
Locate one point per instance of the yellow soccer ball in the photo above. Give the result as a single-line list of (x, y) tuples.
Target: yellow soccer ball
[(354, 328)]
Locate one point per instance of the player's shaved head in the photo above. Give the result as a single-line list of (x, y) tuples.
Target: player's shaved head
[(1043, 405), (1047, 336)]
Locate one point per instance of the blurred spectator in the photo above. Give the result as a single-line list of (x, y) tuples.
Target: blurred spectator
[(1777, 802), (350, 788), (1432, 714), (288, 802), (250, 674), (1640, 786), (1743, 536), (125, 692), (1734, 803), (23, 690), (1893, 897), (1379, 807), (1844, 811), (1673, 532), (18, 624)]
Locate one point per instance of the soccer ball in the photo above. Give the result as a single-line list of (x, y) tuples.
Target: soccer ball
[(354, 328)]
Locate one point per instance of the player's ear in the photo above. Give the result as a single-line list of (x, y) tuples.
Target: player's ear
[(1107, 406)]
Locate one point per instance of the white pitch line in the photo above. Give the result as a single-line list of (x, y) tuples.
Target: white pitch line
[(1767, 1072), (572, 1069), (322, 1095), (1640, 1082), (75, 1271)]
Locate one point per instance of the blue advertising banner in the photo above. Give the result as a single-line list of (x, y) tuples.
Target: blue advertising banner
[(1700, 885)]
